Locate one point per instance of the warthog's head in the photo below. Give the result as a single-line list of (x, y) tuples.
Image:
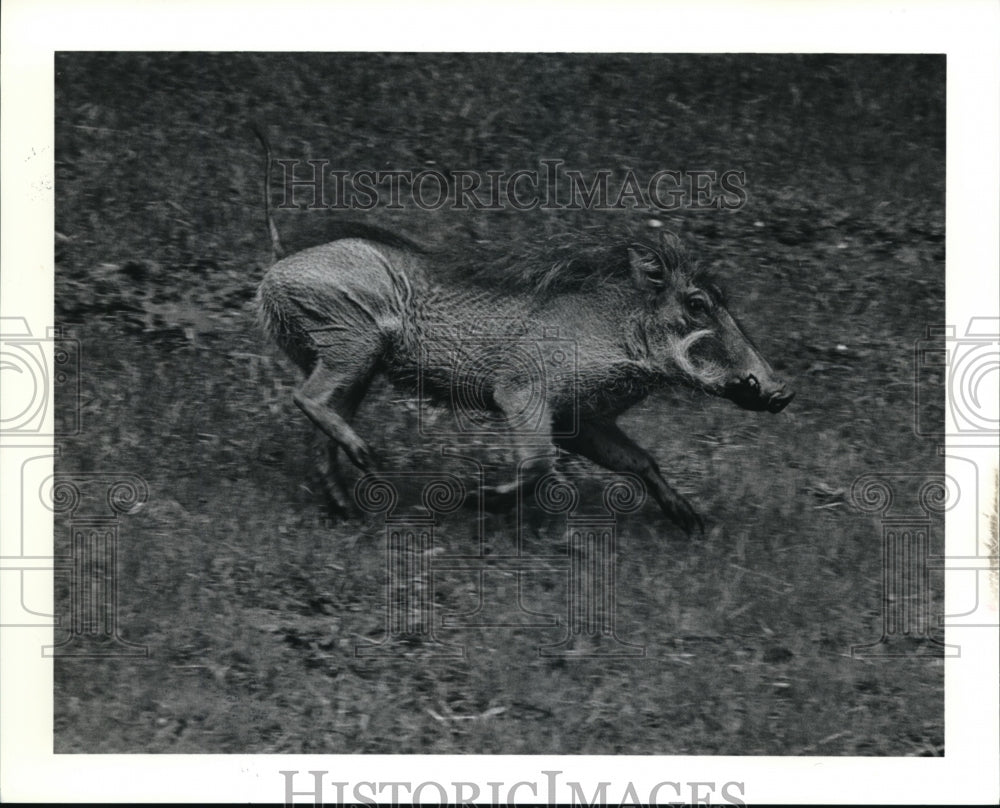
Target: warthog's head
[(687, 329)]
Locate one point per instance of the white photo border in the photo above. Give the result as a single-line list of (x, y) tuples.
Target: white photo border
[(966, 31)]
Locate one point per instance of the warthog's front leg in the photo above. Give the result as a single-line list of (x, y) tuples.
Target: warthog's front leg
[(606, 444)]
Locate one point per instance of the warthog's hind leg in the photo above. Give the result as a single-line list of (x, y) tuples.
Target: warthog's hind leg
[(335, 486), (606, 444), (330, 398)]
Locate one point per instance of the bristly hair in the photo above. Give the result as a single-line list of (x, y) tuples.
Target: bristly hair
[(571, 262)]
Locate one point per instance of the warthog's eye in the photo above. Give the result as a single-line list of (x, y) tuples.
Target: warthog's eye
[(697, 305)]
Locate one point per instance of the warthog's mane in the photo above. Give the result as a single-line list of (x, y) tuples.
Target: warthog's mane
[(572, 262)]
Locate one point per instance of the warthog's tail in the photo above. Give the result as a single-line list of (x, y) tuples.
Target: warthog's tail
[(277, 251)]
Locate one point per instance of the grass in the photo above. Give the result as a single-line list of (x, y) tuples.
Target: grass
[(252, 604)]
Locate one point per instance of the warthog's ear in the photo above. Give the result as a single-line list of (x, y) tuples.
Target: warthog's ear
[(649, 272)]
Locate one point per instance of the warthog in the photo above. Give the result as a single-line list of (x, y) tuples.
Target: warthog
[(626, 317)]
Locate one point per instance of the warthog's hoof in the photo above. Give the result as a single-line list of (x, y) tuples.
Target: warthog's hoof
[(340, 506), (687, 518), (360, 454)]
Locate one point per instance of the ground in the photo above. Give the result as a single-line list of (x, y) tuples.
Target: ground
[(252, 603)]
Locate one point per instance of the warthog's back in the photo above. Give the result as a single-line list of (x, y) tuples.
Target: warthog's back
[(359, 290)]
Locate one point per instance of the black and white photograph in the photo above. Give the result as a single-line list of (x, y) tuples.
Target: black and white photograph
[(596, 405)]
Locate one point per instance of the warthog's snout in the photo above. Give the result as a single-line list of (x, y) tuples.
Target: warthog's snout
[(751, 395), (780, 400)]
